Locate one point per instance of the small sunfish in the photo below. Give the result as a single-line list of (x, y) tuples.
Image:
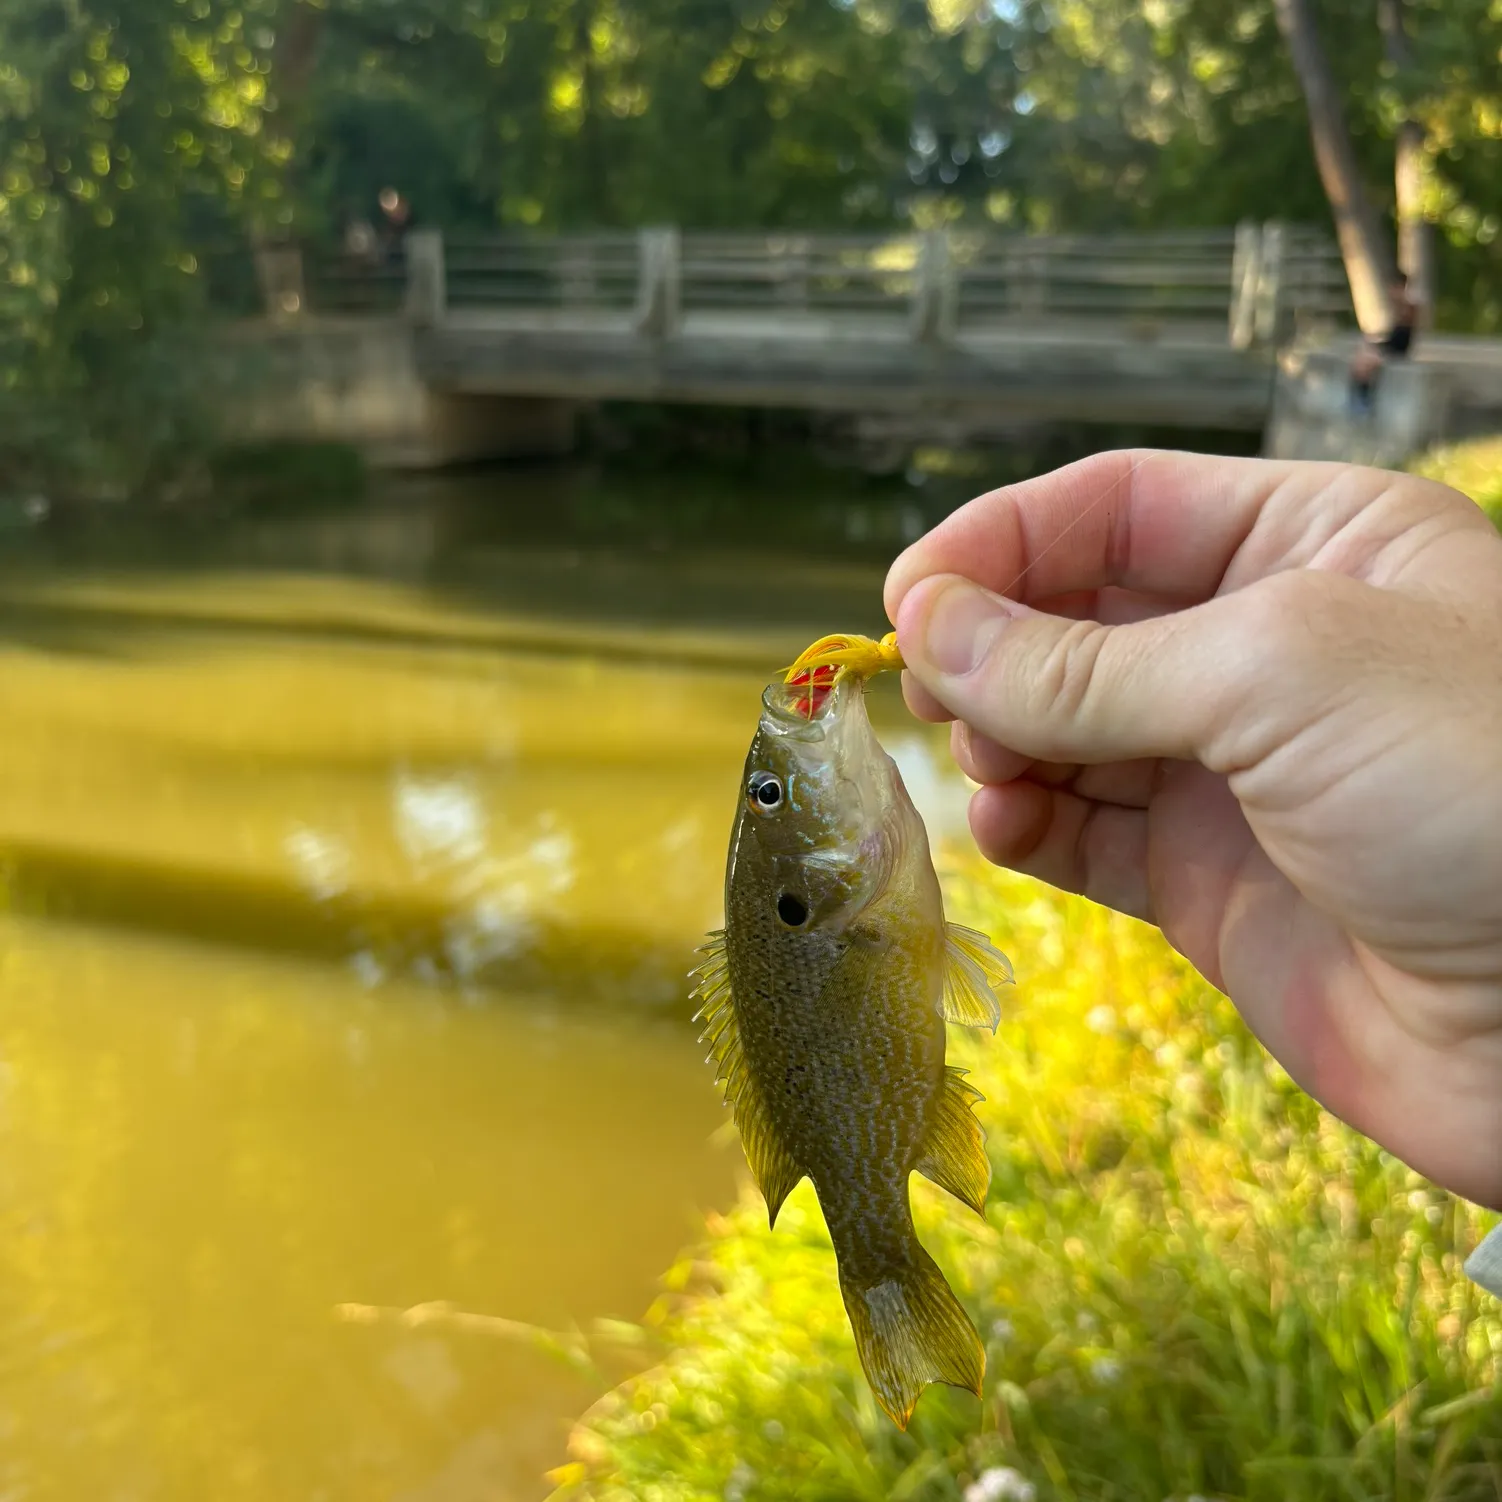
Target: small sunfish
[(824, 1000)]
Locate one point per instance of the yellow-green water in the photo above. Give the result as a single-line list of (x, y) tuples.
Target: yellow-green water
[(349, 894)]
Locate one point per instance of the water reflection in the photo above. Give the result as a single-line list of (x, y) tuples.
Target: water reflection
[(206, 1155), (350, 908)]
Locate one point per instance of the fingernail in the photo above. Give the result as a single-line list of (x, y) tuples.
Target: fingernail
[(962, 623)]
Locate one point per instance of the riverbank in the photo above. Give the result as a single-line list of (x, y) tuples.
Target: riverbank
[(1192, 1282)]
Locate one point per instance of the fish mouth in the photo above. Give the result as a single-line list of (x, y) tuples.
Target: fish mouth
[(789, 712)]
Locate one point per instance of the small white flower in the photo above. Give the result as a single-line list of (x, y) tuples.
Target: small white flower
[(740, 1481), (1000, 1484), (1101, 1019), (1105, 1369)]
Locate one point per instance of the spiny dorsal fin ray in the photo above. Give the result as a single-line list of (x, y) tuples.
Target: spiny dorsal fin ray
[(974, 972), (954, 1147), (911, 1330), (771, 1165)]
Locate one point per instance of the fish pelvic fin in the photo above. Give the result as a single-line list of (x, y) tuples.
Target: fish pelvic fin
[(974, 973), (771, 1164), (910, 1330), (954, 1147)]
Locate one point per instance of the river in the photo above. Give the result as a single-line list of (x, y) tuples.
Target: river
[(351, 859)]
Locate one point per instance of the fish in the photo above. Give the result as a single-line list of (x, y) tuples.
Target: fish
[(824, 1001)]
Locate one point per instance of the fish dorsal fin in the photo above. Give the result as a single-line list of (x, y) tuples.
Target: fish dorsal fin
[(771, 1163), (954, 1147), (974, 972)]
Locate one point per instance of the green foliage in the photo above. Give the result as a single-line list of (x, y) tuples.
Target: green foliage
[(143, 144), (1473, 468), (1190, 114), (130, 135), (1192, 1281), (619, 112), (281, 476)]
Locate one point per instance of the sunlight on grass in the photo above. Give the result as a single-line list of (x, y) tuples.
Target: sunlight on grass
[(1474, 468), (1192, 1283)]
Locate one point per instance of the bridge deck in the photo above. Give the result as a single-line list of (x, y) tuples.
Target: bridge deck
[(1174, 374)]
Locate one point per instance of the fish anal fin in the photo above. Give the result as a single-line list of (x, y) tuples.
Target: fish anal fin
[(954, 1147), (974, 972), (771, 1164), (910, 1330)]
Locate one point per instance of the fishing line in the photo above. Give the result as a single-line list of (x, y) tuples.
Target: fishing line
[(1089, 511)]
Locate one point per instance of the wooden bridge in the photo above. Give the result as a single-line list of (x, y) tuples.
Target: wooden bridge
[(1178, 329)]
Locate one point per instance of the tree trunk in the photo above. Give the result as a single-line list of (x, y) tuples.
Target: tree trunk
[(1363, 246), (1415, 232)]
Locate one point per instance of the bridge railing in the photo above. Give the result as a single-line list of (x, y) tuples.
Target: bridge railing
[(588, 273), (1251, 284), (1161, 275), (771, 273)]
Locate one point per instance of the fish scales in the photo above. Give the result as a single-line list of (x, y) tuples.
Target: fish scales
[(826, 998)]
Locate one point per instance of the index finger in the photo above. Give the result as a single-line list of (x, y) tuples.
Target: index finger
[(1160, 522)]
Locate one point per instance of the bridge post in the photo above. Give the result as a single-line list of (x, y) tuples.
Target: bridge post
[(1269, 320), (935, 292), (426, 300), (1246, 262), (659, 282), (279, 270)]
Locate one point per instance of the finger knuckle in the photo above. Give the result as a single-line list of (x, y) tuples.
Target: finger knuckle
[(1068, 678)]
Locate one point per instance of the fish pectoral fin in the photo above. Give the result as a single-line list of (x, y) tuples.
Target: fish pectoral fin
[(954, 1147), (974, 972), (772, 1165), (911, 1330)]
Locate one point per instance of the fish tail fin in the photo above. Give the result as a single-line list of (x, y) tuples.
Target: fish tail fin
[(910, 1330)]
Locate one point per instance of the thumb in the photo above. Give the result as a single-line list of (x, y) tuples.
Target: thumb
[(1064, 690)]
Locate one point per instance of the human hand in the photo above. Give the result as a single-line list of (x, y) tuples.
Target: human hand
[(1260, 705)]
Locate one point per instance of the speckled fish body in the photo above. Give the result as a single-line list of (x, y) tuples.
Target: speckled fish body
[(825, 999)]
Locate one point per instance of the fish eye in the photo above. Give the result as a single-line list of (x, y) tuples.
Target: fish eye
[(792, 910), (765, 791)]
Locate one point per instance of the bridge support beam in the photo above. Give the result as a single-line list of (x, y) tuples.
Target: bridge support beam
[(1312, 418), (427, 283), (356, 381)]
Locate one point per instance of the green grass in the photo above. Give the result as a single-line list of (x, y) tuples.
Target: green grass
[(1192, 1282), (1474, 468)]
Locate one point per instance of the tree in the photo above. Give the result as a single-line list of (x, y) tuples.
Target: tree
[(1368, 262), (1415, 232), (128, 134)]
